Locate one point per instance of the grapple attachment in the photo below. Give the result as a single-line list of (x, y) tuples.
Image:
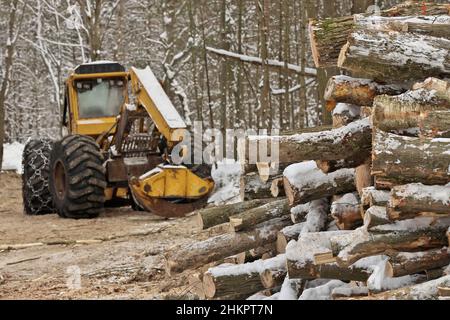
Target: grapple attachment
[(171, 191)]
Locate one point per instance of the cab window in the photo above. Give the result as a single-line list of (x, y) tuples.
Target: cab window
[(101, 97)]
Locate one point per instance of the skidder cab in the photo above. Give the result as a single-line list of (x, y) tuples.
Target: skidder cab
[(119, 130)]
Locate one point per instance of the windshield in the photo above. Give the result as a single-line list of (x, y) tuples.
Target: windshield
[(100, 97)]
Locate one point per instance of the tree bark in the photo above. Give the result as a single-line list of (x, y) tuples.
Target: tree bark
[(413, 200), (210, 217), (360, 92), (400, 160), (403, 111), (252, 217), (329, 35), (219, 247), (386, 56), (404, 263), (435, 124), (304, 182)]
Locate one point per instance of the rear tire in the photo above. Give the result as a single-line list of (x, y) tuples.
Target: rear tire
[(77, 179), (37, 199)]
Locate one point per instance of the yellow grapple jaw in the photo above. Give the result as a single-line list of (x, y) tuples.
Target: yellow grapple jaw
[(171, 191)]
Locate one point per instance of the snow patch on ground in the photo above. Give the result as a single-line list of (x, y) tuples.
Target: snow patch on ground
[(12, 157), (226, 177), (322, 292)]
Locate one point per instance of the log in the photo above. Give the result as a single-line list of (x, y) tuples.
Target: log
[(387, 56), (300, 259), (299, 212), (423, 291), (433, 26), (409, 235), (403, 111), (267, 170), (287, 234), (363, 178), (195, 281), (413, 200), (345, 113), (210, 217), (264, 252), (329, 35), (404, 263), (355, 91), (227, 279), (398, 160), (351, 141), (252, 217), (441, 87), (346, 212), (236, 259), (277, 188), (375, 216), (371, 197), (274, 276), (291, 289), (219, 247), (251, 187), (304, 182), (435, 124)]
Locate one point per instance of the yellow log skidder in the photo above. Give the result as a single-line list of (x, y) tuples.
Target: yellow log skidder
[(121, 128)]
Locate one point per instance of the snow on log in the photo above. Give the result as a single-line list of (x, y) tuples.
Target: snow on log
[(309, 72), (392, 56), (210, 217), (228, 279), (316, 217), (404, 263), (291, 289), (304, 182), (435, 124), (299, 212), (287, 234), (355, 91), (398, 160), (408, 235), (412, 200), (349, 292), (372, 197), (345, 113), (423, 291), (403, 111), (252, 217), (219, 247), (346, 211), (375, 216), (329, 35)]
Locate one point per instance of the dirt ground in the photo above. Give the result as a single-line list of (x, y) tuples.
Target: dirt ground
[(126, 264)]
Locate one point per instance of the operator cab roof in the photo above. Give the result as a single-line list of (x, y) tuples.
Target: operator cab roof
[(99, 67)]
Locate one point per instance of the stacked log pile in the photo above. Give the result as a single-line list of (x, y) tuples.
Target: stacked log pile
[(365, 203)]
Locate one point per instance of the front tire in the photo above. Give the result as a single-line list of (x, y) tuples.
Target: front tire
[(37, 199), (77, 177)]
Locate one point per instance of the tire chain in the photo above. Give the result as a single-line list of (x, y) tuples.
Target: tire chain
[(35, 156)]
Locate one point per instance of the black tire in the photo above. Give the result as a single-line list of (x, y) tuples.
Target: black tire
[(77, 179), (37, 199)]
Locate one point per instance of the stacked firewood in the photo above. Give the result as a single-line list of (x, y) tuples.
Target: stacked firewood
[(364, 204)]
